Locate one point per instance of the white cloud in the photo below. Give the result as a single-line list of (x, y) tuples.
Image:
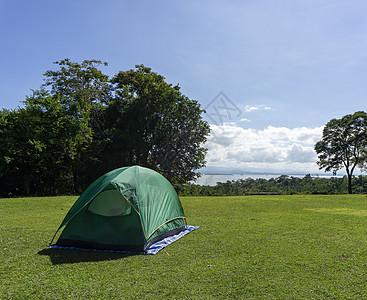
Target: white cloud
[(271, 148), (300, 153), (244, 120), (251, 108)]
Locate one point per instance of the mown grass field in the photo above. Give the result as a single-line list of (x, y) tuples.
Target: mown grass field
[(255, 247)]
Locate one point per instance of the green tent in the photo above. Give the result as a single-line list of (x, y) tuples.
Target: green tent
[(126, 209)]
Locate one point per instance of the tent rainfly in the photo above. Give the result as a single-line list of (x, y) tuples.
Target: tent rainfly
[(127, 209)]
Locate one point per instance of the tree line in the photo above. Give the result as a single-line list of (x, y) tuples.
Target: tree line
[(81, 124), (284, 185)]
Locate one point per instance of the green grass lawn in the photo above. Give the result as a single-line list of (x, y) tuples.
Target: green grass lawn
[(255, 247)]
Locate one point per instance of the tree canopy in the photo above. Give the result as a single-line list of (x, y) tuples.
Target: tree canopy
[(155, 125), (81, 124), (343, 144)]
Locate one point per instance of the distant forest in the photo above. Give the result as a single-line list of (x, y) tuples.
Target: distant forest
[(284, 185)]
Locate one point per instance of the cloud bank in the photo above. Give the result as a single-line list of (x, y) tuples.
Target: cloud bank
[(268, 150)]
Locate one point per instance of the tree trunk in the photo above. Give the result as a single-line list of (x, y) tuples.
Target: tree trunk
[(349, 184)]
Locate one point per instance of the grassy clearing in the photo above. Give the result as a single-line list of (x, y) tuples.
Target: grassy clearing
[(256, 247)]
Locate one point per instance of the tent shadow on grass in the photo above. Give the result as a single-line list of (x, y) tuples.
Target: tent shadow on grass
[(62, 256)]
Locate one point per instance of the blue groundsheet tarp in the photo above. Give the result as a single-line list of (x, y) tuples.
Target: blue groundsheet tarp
[(153, 249)]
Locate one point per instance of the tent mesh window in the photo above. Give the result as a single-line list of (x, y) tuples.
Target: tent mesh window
[(110, 203)]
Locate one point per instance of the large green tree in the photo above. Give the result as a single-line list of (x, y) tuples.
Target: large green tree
[(83, 90), (20, 146), (58, 133), (343, 144), (38, 142), (153, 124)]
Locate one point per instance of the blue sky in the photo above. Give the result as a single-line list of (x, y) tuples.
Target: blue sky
[(288, 67)]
